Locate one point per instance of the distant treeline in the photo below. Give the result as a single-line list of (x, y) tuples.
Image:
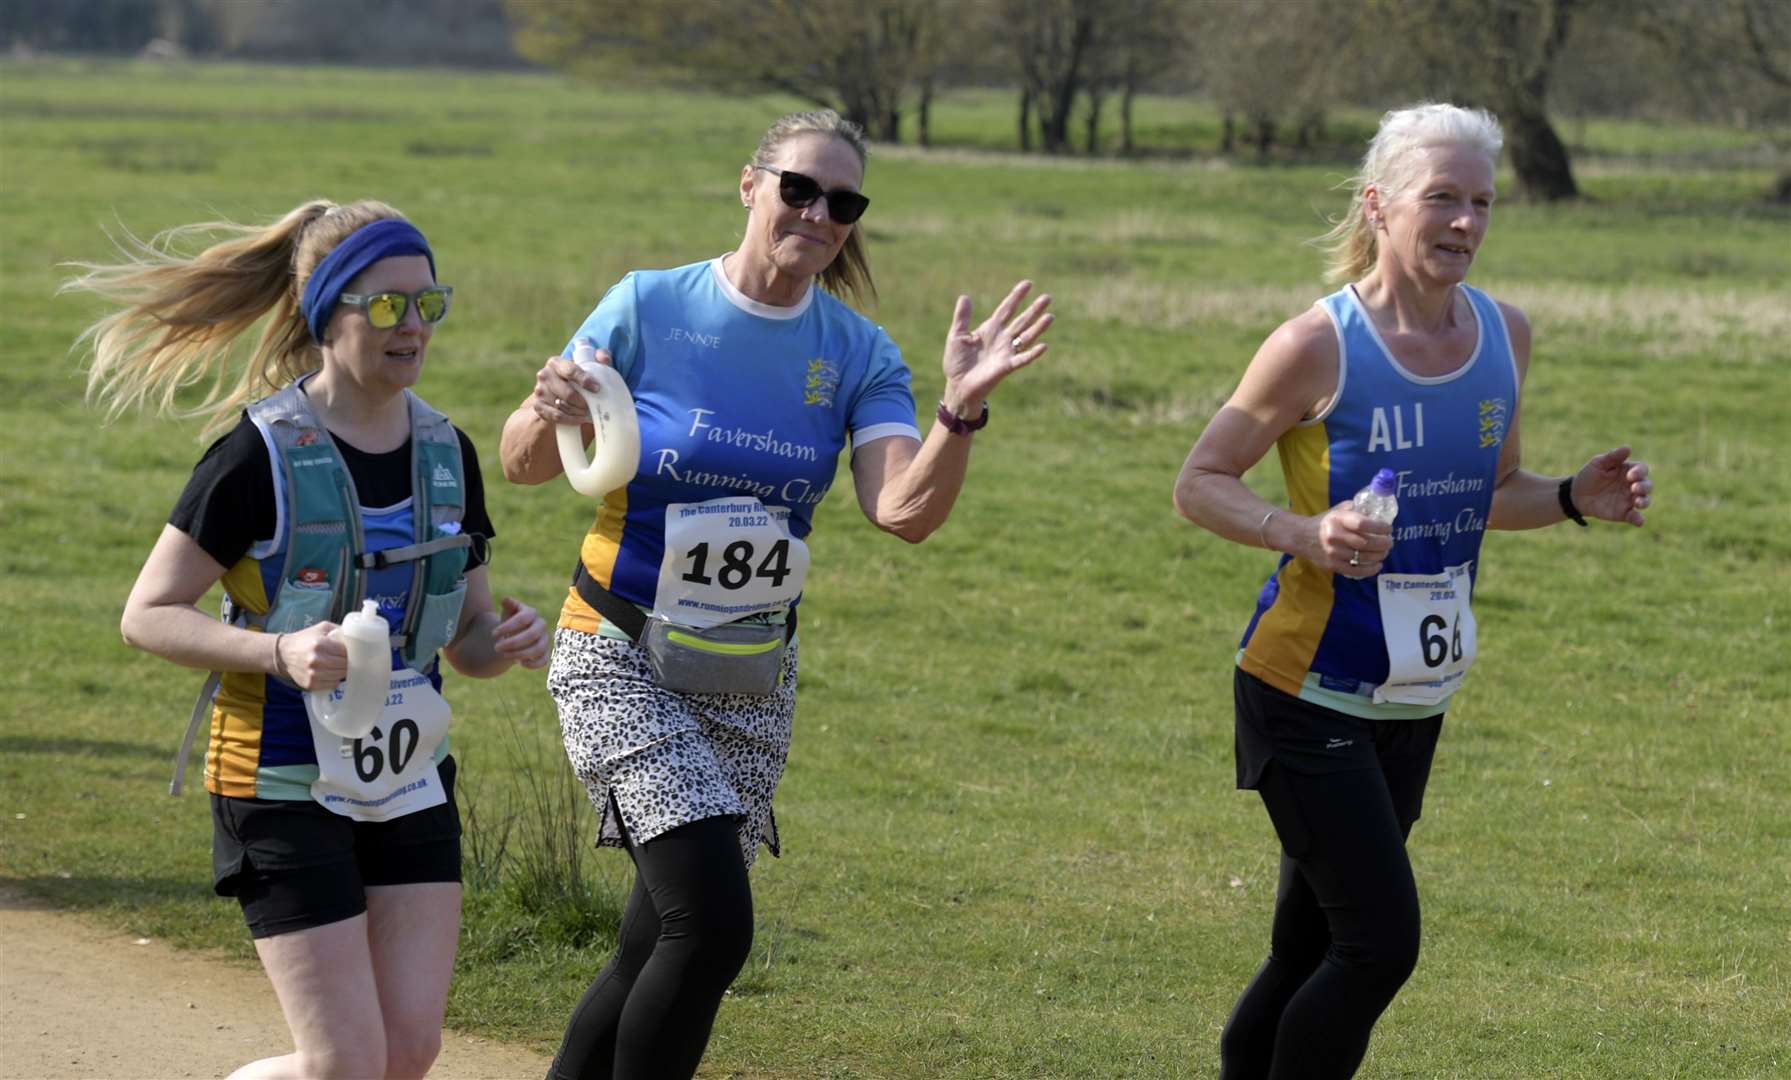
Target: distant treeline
[(457, 33), (1274, 68)]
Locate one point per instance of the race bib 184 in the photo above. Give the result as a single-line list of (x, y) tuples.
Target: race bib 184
[(726, 559)]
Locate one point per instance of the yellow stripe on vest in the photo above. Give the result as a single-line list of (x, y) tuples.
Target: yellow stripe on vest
[(602, 545), (1287, 636), (233, 757)]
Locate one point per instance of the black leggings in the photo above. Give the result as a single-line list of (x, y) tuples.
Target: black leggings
[(1345, 934), (686, 932)]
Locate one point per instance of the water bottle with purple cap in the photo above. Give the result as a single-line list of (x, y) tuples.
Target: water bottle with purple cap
[(1377, 500)]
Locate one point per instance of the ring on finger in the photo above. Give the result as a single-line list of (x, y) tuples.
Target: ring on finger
[(1017, 345), (1355, 558), (557, 403)]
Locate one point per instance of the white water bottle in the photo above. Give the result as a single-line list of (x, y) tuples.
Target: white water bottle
[(354, 708), (615, 453), (1377, 499)]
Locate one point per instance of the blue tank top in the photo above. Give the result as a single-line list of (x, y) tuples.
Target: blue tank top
[(1318, 635)]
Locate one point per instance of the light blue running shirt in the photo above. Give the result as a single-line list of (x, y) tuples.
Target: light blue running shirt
[(744, 409)]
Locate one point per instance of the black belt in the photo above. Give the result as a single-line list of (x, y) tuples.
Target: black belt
[(625, 616)]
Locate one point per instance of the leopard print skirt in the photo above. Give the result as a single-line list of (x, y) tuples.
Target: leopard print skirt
[(668, 758)]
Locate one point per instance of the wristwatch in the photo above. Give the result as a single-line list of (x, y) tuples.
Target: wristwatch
[(958, 425), (1564, 494)]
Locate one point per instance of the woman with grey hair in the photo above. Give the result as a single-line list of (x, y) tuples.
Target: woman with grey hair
[(1408, 377), (675, 662)]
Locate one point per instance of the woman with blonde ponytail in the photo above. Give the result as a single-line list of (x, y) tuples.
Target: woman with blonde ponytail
[(1404, 381), (336, 489)]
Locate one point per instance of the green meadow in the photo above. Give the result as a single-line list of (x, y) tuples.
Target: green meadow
[(1012, 847)]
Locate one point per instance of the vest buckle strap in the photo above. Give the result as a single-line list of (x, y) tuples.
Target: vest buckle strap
[(379, 560)]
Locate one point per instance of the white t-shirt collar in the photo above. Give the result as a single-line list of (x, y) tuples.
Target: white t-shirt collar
[(753, 307)]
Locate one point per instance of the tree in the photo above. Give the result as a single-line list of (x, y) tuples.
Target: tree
[(1500, 53), (1255, 77), (1737, 51), (448, 32), (948, 38), (1053, 41), (1768, 30), (859, 57), (1151, 39), (1133, 44), (79, 25), (1071, 51), (1526, 38)]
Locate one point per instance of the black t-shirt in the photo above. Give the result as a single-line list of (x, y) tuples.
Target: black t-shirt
[(228, 503)]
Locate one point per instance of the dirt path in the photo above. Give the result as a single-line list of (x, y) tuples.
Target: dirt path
[(80, 1001)]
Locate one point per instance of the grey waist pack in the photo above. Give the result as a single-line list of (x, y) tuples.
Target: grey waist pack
[(733, 658)]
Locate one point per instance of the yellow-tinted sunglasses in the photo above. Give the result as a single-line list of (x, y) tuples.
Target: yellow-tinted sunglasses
[(386, 310)]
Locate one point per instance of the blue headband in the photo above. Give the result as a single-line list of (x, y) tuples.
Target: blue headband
[(363, 247)]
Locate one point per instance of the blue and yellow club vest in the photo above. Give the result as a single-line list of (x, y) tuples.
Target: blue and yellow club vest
[(1317, 635), (327, 555)]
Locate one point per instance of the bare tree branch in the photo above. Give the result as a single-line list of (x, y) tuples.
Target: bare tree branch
[(1752, 16)]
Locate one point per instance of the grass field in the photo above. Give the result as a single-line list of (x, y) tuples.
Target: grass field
[(1012, 847)]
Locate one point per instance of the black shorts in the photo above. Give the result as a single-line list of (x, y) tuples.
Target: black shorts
[(294, 865), (1311, 739)]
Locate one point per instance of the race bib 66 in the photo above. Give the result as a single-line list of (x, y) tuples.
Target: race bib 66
[(1431, 640)]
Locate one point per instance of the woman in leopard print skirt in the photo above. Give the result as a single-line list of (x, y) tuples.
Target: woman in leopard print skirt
[(748, 381)]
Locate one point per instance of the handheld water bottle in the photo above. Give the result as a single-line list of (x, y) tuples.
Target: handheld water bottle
[(615, 454), (1377, 499), (354, 712)]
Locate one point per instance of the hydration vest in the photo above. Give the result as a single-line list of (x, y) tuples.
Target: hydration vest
[(319, 542)]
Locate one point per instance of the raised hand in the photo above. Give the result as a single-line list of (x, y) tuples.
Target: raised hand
[(977, 360)]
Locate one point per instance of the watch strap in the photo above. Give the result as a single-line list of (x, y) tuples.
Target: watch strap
[(957, 425), (1564, 494)]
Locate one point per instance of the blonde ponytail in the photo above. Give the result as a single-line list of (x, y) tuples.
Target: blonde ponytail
[(850, 271), (1350, 246), (181, 315)]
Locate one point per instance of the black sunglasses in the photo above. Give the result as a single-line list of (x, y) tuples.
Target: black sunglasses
[(799, 191)]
